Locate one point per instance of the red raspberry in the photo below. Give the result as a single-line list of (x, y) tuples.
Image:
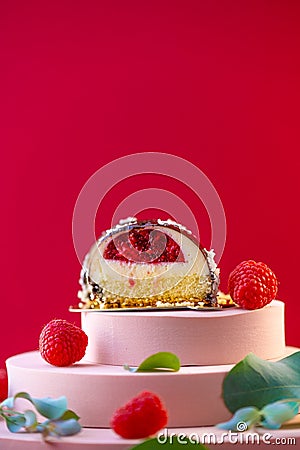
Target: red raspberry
[(3, 385), (141, 417), (62, 343), (252, 285), (144, 246)]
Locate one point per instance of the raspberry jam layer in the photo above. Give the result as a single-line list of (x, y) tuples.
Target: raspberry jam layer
[(143, 246)]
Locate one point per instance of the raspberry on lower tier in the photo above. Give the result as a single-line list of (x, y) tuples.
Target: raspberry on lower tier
[(141, 417)]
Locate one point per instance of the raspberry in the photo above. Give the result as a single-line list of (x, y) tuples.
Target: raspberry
[(252, 285), (141, 417), (143, 246), (3, 385), (61, 343)]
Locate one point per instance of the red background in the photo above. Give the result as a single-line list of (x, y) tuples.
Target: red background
[(83, 83)]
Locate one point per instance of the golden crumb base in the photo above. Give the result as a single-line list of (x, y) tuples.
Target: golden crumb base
[(224, 300), (160, 301)]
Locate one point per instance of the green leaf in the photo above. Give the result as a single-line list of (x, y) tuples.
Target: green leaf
[(275, 414), (52, 408), (175, 443), (15, 423), (242, 420), (69, 414), (161, 361), (256, 382)]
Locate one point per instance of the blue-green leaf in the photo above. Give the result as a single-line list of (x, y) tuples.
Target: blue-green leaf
[(275, 414), (60, 421), (52, 408), (161, 361), (9, 403), (15, 423), (30, 420), (254, 381), (242, 420), (66, 427)]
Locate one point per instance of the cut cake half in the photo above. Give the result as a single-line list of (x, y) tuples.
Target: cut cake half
[(153, 263)]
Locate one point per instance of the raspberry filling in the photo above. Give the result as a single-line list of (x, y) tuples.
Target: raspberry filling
[(143, 246)]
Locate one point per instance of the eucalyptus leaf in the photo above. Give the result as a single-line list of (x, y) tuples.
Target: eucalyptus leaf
[(60, 421), (256, 382), (52, 408), (30, 419), (9, 403), (159, 362), (15, 423), (66, 427), (275, 414), (242, 420), (175, 443)]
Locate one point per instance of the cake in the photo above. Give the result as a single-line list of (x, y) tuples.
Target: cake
[(137, 298), (148, 264)]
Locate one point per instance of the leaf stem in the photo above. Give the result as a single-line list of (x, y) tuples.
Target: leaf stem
[(9, 412)]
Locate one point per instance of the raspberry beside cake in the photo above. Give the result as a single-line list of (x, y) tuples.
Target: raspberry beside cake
[(148, 264)]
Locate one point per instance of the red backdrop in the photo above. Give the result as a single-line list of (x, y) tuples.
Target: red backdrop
[(83, 83)]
